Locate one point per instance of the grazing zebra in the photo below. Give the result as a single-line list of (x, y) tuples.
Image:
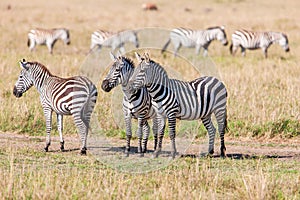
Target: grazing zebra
[(197, 99), (255, 40), (195, 38), (47, 37), (136, 105), (74, 96), (114, 40)]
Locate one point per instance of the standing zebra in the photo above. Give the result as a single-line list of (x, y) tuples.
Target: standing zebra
[(47, 37), (255, 40), (197, 99), (195, 38), (114, 40), (74, 96), (136, 105)]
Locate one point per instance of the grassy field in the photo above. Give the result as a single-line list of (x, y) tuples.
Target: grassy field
[(263, 103)]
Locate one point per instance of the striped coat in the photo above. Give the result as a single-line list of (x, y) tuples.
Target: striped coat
[(197, 99), (74, 96), (257, 40), (47, 37), (195, 38)]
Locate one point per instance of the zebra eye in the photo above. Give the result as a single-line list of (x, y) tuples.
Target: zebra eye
[(21, 76)]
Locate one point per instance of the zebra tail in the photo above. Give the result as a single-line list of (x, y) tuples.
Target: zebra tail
[(28, 42), (230, 48), (165, 46), (88, 106), (226, 123)]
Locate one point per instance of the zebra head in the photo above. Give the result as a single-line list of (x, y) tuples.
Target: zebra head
[(133, 38), (219, 34), (65, 36), (24, 81), (119, 73), (139, 78), (284, 42)]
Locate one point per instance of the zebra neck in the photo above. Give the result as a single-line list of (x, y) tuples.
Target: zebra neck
[(40, 80), (58, 33)]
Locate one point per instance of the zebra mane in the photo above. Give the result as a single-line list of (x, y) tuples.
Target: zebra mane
[(128, 60), (215, 27), (41, 66), (157, 65)]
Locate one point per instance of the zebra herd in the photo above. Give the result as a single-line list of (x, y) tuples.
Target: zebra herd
[(148, 92), (179, 37)]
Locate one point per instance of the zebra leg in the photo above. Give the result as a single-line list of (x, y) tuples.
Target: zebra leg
[(172, 133), (265, 51), (176, 48), (198, 48), (161, 131), (146, 132), (128, 133), (48, 116), (139, 135), (155, 131), (31, 44), (211, 134), (243, 51), (221, 117), (82, 126), (60, 129), (205, 52), (50, 46)]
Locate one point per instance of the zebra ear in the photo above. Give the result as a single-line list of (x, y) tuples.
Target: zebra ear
[(119, 54), (112, 56), (138, 57), (23, 64), (147, 57), (222, 27)]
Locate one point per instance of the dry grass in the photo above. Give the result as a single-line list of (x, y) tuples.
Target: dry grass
[(263, 95)]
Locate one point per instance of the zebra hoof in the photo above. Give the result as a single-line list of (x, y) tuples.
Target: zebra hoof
[(83, 151), (62, 146), (46, 149)]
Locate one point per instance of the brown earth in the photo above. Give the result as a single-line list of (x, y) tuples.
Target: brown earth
[(243, 149)]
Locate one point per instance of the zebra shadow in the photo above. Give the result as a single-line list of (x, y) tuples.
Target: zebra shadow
[(65, 150), (133, 150), (236, 156)]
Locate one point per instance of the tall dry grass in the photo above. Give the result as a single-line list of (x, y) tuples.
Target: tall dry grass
[(263, 101)]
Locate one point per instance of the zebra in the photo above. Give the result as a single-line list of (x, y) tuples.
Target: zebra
[(47, 37), (255, 40), (114, 40), (136, 105), (74, 96), (196, 99), (196, 38)]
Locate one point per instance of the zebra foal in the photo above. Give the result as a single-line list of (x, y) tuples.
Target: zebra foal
[(74, 96), (196, 99), (195, 38), (254, 40), (47, 37), (136, 105)]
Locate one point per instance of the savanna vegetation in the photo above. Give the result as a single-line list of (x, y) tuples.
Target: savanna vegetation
[(263, 105)]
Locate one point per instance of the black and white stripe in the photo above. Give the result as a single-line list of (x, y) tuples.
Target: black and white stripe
[(74, 96), (136, 105), (195, 38), (197, 99), (257, 40), (47, 37), (114, 40)]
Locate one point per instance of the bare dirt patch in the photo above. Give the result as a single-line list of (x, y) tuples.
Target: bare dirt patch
[(242, 149)]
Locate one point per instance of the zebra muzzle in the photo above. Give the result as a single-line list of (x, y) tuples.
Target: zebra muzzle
[(16, 92), (105, 86)]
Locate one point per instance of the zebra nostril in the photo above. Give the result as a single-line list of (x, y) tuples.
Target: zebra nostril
[(16, 93), (105, 86)]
